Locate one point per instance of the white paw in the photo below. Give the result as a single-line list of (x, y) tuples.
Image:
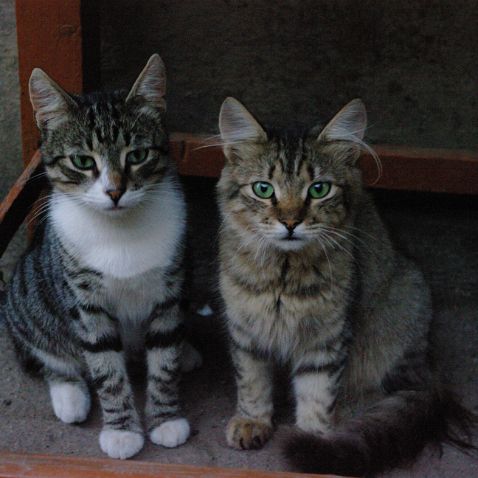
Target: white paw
[(172, 433), (191, 358), (71, 402), (121, 443)]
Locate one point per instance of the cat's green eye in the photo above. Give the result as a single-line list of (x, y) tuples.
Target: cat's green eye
[(81, 161), (319, 190), (137, 156), (263, 190)]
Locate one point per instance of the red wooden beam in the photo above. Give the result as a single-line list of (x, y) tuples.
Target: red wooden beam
[(403, 168), (414, 169), (49, 36), (423, 169), (20, 199), (14, 465)]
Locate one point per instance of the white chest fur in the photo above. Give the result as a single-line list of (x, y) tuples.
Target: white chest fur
[(132, 300), (129, 245)]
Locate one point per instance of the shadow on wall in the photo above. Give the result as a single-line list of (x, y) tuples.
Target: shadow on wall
[(412, 62)]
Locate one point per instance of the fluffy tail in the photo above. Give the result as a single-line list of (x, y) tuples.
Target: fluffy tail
[(391, 434)]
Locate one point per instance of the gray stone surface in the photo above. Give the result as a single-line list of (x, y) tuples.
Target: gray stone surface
[(415, 64), (10, 148), (441, 232)]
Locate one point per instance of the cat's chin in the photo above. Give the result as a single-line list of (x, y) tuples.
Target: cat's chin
[(289, 244), (114, 212), (117, 212)]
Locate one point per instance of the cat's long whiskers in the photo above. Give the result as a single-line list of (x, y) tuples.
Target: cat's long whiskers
[(355, 259), (353, 138), (38, 175), (40, 209), (262, 247), (365, 233), (341, 247), (350, 237), (332, 281), (208, 142)]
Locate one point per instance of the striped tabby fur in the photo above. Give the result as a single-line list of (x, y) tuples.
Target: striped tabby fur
[(105, 273), (315, 282)]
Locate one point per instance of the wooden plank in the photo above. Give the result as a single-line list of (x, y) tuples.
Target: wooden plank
[(414, 169), (18, 202), (196, 155), (14, 465), (423, 169), (403, 168), (49, 36)]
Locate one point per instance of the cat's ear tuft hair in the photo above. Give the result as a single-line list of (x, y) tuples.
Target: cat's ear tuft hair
[(347, 128), (51, 103), (238, 127), (151, 83), (348, 124)]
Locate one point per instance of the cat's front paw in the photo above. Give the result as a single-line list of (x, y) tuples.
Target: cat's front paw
[(121, 443), (71, 401), (171, 433), (247, 434)]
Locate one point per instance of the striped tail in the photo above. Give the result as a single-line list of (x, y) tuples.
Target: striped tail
[(391, 434)]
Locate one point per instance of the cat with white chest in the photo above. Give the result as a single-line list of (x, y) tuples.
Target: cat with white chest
[(104, 275)]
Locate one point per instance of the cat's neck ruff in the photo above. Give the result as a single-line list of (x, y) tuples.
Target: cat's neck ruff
[(144, 238)]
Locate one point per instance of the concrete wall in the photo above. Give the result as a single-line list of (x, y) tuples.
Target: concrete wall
[(415, 63), (10, 149)]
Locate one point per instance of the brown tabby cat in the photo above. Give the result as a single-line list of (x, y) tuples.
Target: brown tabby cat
[(310, 278)]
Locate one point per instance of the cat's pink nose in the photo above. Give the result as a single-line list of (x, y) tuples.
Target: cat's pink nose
[(290, 224), (115, 194)]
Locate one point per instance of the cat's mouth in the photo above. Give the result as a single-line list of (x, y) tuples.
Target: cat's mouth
[(290, 242), (115, 210)]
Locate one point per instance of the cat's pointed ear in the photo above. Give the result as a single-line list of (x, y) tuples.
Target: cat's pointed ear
[(151, 83), (348, 124), (238, 127), (51, 103)]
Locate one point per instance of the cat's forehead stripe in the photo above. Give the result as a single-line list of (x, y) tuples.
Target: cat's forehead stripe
[(300, 157), (104, 121), (311, 172), (292, 156)]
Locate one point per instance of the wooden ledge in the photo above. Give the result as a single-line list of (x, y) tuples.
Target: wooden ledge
[(20, 199), (423, 169), (16, 465), (403, 168)]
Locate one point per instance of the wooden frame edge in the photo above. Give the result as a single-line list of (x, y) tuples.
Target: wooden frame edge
[(415, 169), (20, 465), (63, 38), (19, 200), (403, 168)]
